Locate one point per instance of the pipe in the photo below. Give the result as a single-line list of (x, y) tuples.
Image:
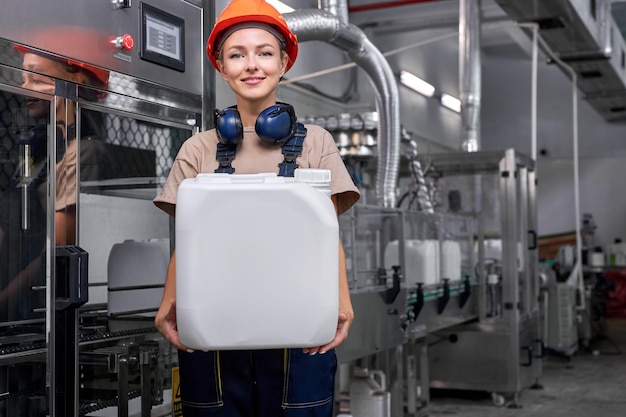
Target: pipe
[(336, 8), (425, 203), (533, 92), (470, 73), (322, 25), (605, 20), (386, 5), (577, 217)]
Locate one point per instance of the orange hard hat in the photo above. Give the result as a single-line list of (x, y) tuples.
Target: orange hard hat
[(249, 11), (64, 41), (100, 75)]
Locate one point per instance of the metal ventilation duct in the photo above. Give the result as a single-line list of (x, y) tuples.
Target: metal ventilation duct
[(585, 36), (322, 25)]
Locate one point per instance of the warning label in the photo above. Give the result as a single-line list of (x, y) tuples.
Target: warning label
[(177, 405)]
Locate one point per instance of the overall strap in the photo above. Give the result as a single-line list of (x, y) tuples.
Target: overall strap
[(291, 150), (225, 155)]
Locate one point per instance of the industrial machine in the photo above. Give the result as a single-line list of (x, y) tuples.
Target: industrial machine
[(445, 285), (73, 339), (410, 274), (501, 351)]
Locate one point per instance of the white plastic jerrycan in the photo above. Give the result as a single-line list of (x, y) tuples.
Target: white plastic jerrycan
[(256, 262), (421, 258), (368, 394)]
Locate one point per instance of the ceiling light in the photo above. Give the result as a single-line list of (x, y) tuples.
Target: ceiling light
[(280, 6), (450, 102), (417, 84)]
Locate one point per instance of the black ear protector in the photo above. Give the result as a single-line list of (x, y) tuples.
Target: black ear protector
[(276, 124)]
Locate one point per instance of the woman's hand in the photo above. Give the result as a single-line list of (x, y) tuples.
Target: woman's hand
[(343, 325), (165, 322)]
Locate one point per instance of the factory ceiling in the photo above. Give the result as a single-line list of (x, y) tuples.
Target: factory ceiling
[(586, 35)]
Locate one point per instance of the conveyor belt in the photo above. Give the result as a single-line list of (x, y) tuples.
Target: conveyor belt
[(23, 393), (86, 339), (26, 352), (100, 405)]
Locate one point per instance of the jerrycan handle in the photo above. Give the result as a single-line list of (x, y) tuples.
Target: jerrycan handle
[(223, 178), (254, 178), (378, 377)]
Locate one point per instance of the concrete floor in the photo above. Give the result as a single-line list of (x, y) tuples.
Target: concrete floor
[(593, 385)]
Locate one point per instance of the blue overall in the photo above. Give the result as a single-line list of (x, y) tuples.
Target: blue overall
[(257, 383)]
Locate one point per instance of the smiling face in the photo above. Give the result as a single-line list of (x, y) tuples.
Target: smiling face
[(42, 79), (252, 64), (39, 82)]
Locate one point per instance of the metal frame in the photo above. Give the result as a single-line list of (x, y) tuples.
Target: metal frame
[(393, 337), (134, 92), (505, 348)]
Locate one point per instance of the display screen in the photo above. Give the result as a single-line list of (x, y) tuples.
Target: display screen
[(163, 38)]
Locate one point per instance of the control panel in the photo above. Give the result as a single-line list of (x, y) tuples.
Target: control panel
[(156, 40)]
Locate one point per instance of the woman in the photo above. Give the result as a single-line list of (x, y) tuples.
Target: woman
[(252, 48)]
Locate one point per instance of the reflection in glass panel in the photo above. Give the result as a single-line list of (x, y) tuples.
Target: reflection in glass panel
[(23, 220), (113, 152), (116, 206)]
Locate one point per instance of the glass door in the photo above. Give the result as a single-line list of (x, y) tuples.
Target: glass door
[(26, 235), (124, 362), (82, 248)]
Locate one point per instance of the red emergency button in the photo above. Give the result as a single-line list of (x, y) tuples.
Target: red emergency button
[(128, 42), (125, 41)]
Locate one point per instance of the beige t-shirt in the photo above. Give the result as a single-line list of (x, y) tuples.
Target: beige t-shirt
[(92, 158), (66, 179), (197, 155)]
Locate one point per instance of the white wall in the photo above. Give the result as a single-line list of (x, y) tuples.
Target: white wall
[(601, 193), (602, 145), (438, 64), (506, 113)]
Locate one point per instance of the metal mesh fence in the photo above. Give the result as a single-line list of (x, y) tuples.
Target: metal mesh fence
[(131, 133), (156, 140), (8, 150)]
